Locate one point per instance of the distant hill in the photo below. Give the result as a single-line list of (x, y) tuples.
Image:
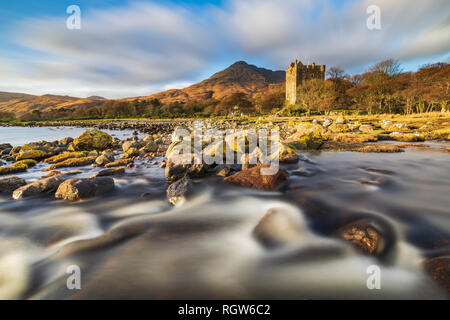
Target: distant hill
[(7, 96), (20, 104), (239, 77), (96, 98)]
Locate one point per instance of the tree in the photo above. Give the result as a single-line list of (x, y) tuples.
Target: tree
[(335, 73)]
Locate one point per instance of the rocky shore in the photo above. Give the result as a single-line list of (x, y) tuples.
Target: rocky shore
[(99, 149)]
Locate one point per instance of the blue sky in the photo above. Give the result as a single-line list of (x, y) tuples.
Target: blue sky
[(132, 48)]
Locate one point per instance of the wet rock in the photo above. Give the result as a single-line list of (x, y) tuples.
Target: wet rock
[(76, 189), (111, 172), (279, 227), (37, 151), (327, 122), (122, 162), (175, 170), (19, 166), (93, 140), (339, 128), (130, 153), (149, 146), (406, 137), (72, 162), (177, 190), (162, 164), (305, 141), (340, 120), (304, 172), (253, 178), (379, 148), (363, 235), (66, 141), (127, 145), (287, 154), (439, 269), (56, 172), (222, 170), (66, 155), (365, 128), (9, 184), (107, 156), (47, 185)]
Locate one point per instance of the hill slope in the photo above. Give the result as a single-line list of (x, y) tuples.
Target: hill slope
[(20, 104)]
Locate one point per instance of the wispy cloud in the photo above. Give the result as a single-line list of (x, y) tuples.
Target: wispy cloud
[(145, 47)]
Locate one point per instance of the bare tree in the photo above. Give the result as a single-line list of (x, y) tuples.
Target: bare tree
[(335, 73)]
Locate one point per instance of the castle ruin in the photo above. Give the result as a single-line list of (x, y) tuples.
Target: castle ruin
[(296, 73)]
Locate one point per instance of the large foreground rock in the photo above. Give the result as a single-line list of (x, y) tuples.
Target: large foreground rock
[(47, 185), (10, 184), (253, 178), (93, 140), (363, 235), (76, 189)]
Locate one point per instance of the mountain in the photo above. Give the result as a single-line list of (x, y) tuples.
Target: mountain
[(20, 104), (239, 77)]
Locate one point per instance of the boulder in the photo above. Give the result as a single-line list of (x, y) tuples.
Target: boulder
[(47, 185), (111, 172), (72, 162), (177, 190), (9, 184), (107, 156), (92, 140), (127, 145), (66, 141), (287, 154), (122, 162), (363, 235), (439, 270), (66, 155), (175, 170), (76, 189), (279, 227), (253, 178), (305, 141), (365, 128), (19, 166)]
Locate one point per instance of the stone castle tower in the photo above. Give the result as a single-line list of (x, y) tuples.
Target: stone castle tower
[(296, 73)]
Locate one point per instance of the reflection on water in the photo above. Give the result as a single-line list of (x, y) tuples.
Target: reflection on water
[(129, 246)]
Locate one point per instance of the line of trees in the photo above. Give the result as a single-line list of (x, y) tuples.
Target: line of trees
[(384, 88)]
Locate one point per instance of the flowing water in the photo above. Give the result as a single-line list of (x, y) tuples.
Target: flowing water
[(129, 246)]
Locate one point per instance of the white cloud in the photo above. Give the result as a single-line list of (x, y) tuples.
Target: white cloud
[(146, 47)]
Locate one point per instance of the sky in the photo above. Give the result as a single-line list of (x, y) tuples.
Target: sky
[(128, 48)]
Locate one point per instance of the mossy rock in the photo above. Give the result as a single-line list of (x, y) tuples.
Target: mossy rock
[(92, 140), (72, 162), (33, 154), (339, 128), (66, 155), (308, 141), (19, 166)]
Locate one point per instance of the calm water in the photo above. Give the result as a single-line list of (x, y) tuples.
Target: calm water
[(129, 246), (20, 135)]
